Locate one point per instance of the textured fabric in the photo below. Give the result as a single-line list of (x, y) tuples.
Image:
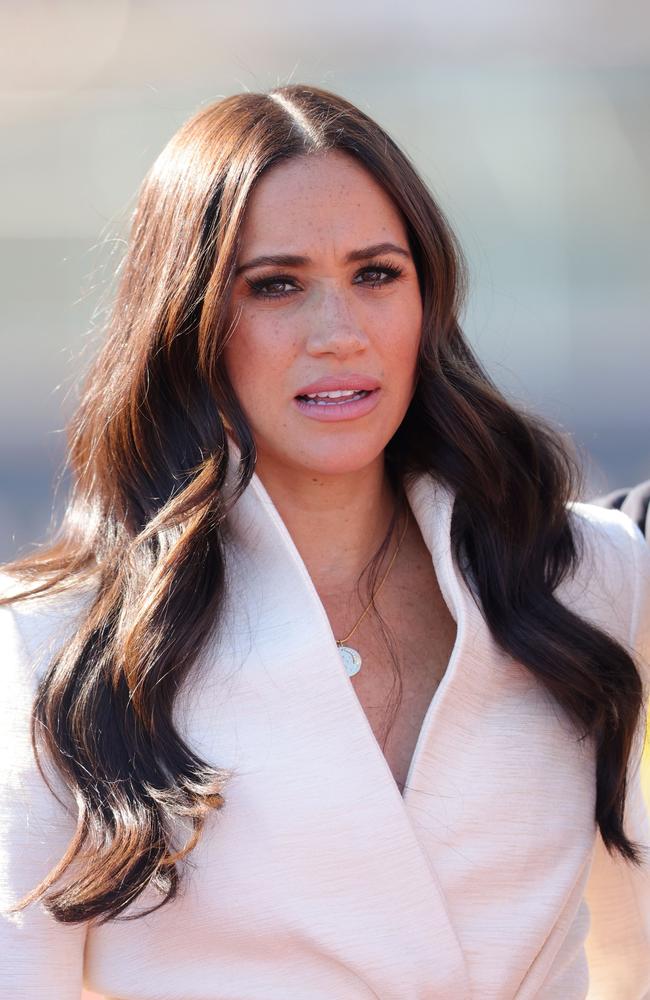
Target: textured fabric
[(486, 880)]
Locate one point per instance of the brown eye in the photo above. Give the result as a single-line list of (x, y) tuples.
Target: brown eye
[(275, 287), (377, 275)]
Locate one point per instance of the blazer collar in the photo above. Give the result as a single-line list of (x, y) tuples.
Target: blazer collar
[(255, 516), (263, 540)]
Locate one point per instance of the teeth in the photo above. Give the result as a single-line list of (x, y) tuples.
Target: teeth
[(334, 394), (334, 397)]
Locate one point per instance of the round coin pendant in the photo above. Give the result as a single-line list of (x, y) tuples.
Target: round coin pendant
[(351, 660)]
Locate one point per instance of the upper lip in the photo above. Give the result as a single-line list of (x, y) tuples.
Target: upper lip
[(331, 382)]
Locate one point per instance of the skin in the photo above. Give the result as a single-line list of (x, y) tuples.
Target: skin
[(327, 479)]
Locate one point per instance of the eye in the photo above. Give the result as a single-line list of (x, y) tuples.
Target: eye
[(377, 274), (274, 287)]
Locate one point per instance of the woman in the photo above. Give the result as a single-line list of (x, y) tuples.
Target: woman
[(328, 661)]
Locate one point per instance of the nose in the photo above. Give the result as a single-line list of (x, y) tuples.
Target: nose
[(333, 327)]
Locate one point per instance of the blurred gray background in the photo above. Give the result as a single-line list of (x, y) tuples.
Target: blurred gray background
[(529, 120)]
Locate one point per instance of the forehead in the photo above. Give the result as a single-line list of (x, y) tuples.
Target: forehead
[(321, 198)]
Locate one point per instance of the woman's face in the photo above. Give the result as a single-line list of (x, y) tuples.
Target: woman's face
[(326, 298)]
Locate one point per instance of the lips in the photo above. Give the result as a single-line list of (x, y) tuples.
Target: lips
[(330, 383), (339, 409)]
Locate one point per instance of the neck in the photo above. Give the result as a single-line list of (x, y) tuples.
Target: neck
[(336, 522)]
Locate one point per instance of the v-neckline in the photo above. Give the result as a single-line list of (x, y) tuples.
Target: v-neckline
[(432, 505)]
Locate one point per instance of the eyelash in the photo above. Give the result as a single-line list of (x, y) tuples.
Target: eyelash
[(258, 285)]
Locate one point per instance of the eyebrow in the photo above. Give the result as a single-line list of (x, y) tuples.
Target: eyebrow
[(294, 260)]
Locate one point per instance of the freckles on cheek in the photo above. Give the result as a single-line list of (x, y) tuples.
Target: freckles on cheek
[(403, 342), (263, 356), (277, 345)]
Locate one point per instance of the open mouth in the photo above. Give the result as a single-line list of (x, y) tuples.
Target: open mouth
[(337, 398)]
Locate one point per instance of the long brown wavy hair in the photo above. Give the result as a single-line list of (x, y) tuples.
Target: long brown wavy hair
[(148, 454)]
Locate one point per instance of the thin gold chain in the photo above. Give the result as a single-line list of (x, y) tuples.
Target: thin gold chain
[(340, 642)]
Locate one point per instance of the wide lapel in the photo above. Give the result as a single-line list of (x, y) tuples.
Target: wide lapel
[(500, 791), (432, 505), (305, 654)]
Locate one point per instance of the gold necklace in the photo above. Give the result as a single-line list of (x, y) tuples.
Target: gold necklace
[(351, 657)]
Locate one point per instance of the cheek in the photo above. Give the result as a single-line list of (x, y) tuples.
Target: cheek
[(403, 333), (256, 355)]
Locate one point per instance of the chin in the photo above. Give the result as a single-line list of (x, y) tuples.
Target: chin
[(337, 452), (339, 458)]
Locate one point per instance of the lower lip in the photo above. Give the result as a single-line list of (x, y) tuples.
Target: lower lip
[(339, 411)]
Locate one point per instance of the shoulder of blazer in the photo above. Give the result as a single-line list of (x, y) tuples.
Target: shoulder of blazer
[(617, 895), (612, 582)]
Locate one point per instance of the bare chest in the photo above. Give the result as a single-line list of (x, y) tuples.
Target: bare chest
[(395, 696)]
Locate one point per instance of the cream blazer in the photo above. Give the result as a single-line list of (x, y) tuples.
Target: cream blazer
[(318, 880)]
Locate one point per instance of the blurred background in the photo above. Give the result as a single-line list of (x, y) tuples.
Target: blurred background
[(528, 120)]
